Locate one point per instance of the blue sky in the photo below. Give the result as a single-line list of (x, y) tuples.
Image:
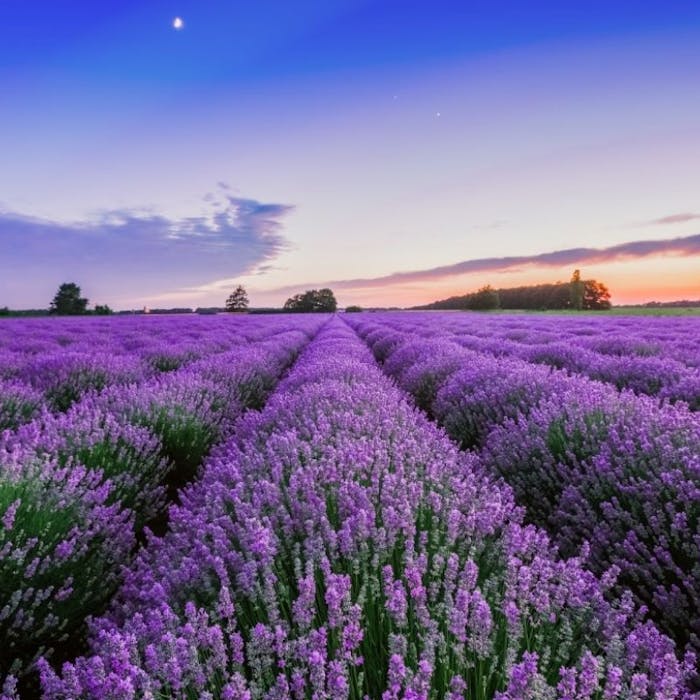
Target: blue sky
[(288, 144)]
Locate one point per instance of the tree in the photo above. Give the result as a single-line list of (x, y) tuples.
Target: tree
[(103, 310), (354, 309), (237, 300), (576, 290), (311, 301), (557, 295), (68, 301), (325, 300), (486, 299), (595, 296), (297, 303)]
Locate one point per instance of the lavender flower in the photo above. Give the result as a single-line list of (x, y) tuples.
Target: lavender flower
[(339, 545)]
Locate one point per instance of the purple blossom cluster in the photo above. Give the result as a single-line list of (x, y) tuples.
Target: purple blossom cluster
[(655, 356), (65, 358), (79, 485), (127, 455), (61, 545), (623, 475), (64, 377), (339, 545), (614, 472), (19, 403)]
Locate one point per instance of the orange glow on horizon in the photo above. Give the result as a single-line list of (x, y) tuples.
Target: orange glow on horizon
[(664, 278)]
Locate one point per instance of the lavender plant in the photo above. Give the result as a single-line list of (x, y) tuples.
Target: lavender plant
[(19, 403), (622, 474), (127, 455), (61, 546), (76, 487), (609, 470), (655, 356), (66, 376), (339, 546)]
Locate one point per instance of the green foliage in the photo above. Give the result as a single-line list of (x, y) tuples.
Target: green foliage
[(16, 410), (103, 310), (186, 439), (68, 301), (312, 300), (576, 295), (162, 362), (4, 311), (486, 299), (595, 296), (576, 290), (237, 300), (37, 518), (135, 471), (353, 309), (50, 578), (252, 390), (64, 394)]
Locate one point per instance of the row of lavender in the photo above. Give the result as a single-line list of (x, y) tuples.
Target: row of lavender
[(49, 364), (78, 487), (612, 471), (654, 356), (673, 338), (338, 545)]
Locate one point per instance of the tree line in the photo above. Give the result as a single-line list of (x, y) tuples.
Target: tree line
[(577, 294), (310, 301), (68, 301)]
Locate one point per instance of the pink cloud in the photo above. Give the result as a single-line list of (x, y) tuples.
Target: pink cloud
[(686, 246), (676, 218)]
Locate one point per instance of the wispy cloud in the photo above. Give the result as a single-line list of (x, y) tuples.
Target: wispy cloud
[(686, 246), (131, 253), (675, 219)]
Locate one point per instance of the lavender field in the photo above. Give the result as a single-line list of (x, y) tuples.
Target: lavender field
[(382, 506)]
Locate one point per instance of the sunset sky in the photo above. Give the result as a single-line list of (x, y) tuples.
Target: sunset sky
[(396, 151)]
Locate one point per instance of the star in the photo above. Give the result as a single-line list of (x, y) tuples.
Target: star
[(178, 23)]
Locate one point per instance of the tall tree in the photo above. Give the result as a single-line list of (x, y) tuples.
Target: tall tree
[(237, 300), (596, 296), (68, 301), (325, 300), (576, 290), (486, 299)]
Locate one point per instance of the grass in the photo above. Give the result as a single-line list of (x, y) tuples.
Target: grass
[(615, 311)]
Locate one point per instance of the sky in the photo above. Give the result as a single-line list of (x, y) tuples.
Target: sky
[(395, 150)]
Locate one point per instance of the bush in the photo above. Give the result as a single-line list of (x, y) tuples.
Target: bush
[(62, 548), (187, 413), (128, 456), (103, 310), (311, 301), (19, 403), (620, 473), (64, 377)]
